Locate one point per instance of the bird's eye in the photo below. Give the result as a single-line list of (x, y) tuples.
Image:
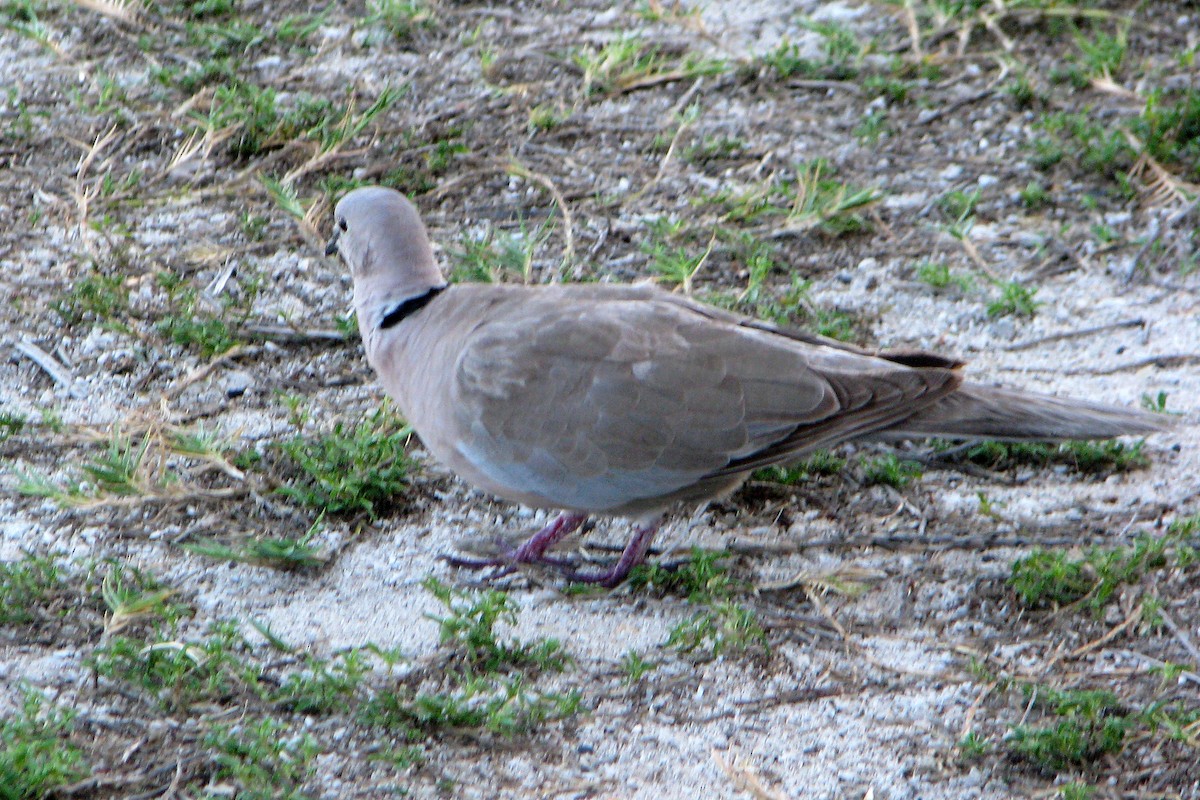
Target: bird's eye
[(342, 224)]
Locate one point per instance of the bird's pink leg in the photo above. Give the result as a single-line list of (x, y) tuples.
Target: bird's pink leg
[(634, 554), (532, 550)]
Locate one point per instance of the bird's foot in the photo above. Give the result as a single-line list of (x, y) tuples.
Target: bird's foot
[(531, 551), (634, 554)]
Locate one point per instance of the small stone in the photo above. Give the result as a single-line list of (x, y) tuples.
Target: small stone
[(237, 383), (951, 173)]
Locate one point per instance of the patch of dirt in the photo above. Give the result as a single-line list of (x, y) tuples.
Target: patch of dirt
[(121, 161)]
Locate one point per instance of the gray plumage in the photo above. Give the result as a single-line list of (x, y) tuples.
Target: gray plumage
[(626, 400)]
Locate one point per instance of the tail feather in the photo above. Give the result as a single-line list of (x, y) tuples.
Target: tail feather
[(977, 411)]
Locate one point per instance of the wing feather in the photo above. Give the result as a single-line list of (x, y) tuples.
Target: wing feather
[(634, 396)]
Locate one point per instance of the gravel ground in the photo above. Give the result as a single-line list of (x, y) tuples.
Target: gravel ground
[(117, 165)]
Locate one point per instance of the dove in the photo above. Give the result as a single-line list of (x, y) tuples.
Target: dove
[(629, 400)]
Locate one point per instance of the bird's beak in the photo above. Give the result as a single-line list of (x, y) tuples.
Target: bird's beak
[(331, 248)]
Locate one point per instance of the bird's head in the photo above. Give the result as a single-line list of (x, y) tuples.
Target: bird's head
[(380, 236)]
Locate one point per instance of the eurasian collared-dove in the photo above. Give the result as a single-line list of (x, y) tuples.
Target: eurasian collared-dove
[(627, 400)]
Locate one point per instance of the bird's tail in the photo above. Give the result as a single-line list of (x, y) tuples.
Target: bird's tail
[(977, 411)]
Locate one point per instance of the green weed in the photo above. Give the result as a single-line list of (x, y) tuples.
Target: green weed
[(1102, 55), (431, 158), (714, 148), (324, 686), (363, 469), (1169, 130), (959, 205), (940, 278), (178, 674), (987, 506), (278, 553), (36, 758), (96, 297), (1096, 145), (722, 625), (973, 746), (131, 595), (1049, 577), (794, 306), (1095, 458), (497, 255), (28, 588), (628, 62), (487, 680), (1068, 743), (211, 332), (700, 579), (256, 758), (872, 127), (819, 464), (1015, 299), (811, 198), (401, 18), (1076, 791), (546, 117), (250, 112), (318, 120), (1056, 578), (296, 28), (786, 62), (1035, 196), (470, 626), (500, 706), (889, 470), (1156, 402), (1021, 91), (284, 195), (1103, 458), (1091, 724), (20, 16), (676, 265), (10, 425), (635, 667), (123, 470), (896, 91), (1104, 234), (840, 47)]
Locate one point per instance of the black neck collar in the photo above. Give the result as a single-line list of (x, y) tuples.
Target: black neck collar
[(409, 307)]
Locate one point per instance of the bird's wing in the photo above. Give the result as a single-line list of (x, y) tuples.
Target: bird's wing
[(602, 399)]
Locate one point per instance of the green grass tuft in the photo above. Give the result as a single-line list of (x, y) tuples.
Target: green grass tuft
[(260, 760), (27, 587), (470, 626), (888, 470), (722, 625), (363, 469), (1092, 458), (819, 464), (939, 277), (1015, 299), (96, 297), (486, 682), (1069, 743), (35, 755), (1055, 578)]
